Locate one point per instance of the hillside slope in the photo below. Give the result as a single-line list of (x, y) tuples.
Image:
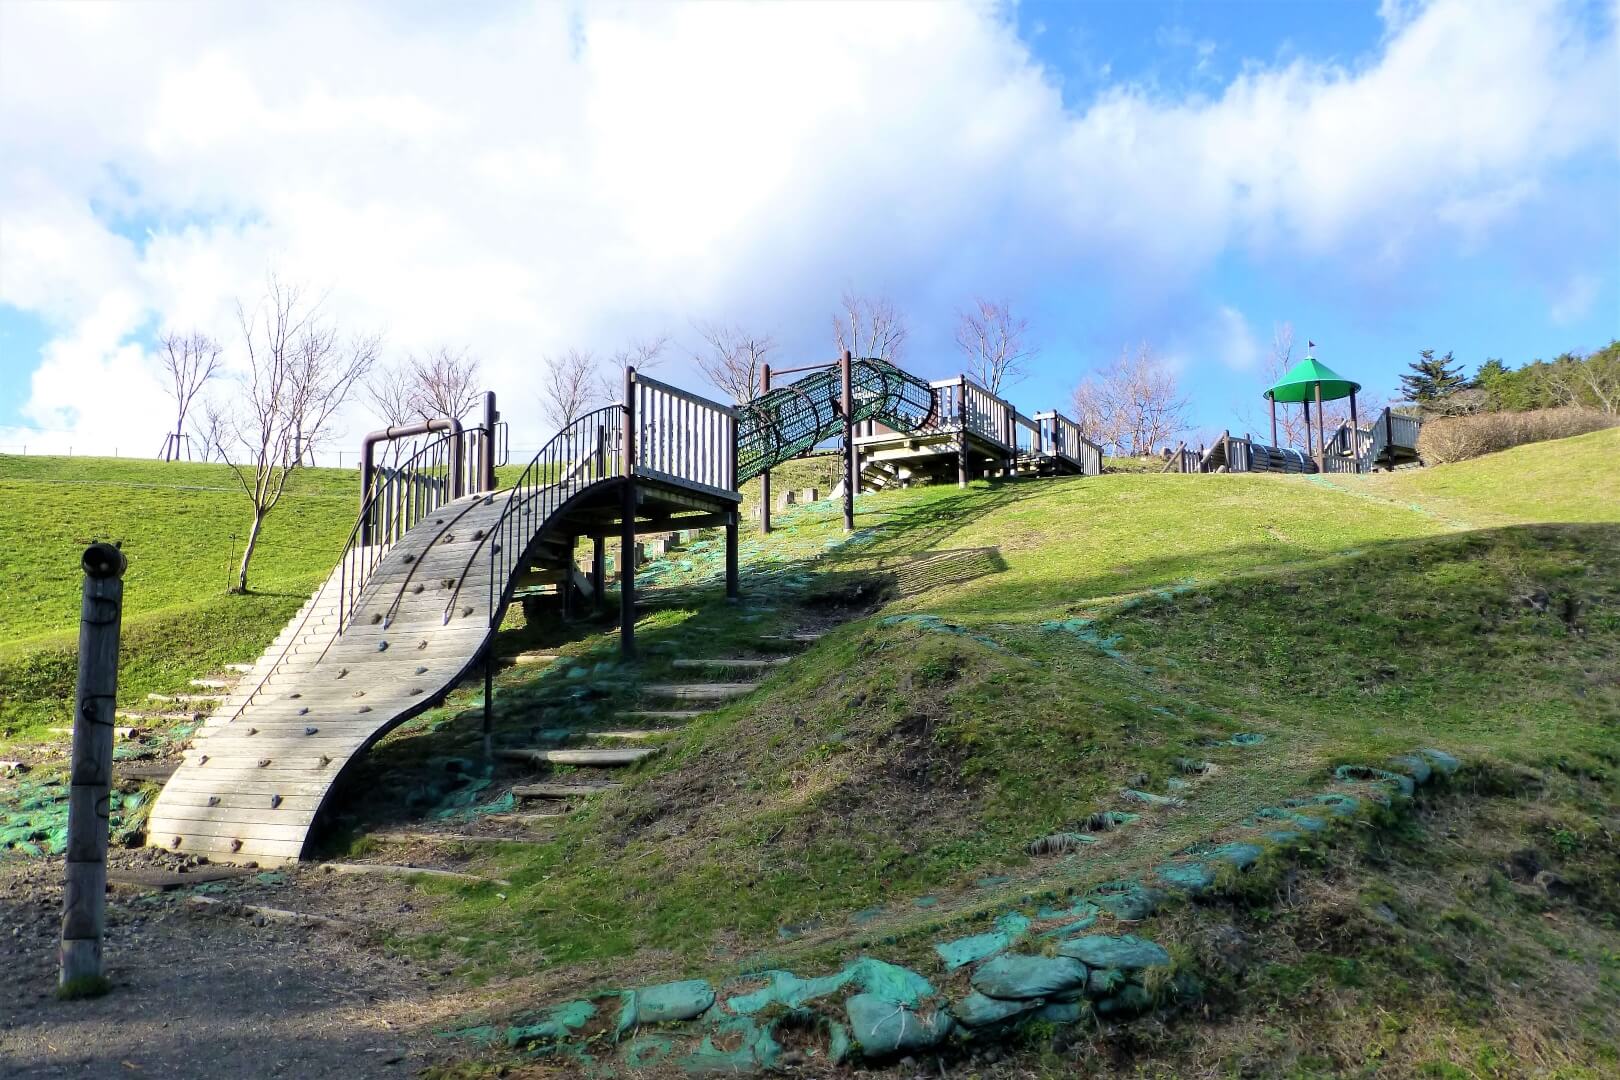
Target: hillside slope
[(1044, 646), (180, 524)]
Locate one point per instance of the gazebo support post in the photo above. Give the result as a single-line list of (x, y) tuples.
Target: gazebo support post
[(765, 477), (1321, 431), (1273, 420), (1355, 432)]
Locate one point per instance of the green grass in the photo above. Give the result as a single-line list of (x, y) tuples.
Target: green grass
[(1076, 637), (176, 522)]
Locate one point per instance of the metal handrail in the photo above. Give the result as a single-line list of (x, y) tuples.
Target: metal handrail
[(555, 474)]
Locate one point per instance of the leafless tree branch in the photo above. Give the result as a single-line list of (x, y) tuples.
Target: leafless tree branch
[(869, 327), (568, 385), (995, 344), (1131, 406), (189, 361), (733, 359)]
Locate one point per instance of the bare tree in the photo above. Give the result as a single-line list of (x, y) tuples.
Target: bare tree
[(212, 430), (733, 360), (391, 391), (189, 361), (869, 327), (445, 384), (569, 383), (1131, 406), (641, 354), (995, 344), (298, 375)]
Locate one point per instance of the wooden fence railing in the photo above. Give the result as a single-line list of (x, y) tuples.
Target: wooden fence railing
[(683, 437), (1061, 436)]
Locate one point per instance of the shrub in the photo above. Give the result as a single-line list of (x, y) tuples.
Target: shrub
[(1458, 438)]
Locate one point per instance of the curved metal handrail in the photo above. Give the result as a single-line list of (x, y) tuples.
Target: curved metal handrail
[(554, 475), (386, 503)]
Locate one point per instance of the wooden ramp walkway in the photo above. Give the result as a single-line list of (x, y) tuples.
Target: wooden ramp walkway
[(265, 760)]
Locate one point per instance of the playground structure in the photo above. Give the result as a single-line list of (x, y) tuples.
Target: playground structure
[(438, 553), (1389, 441)]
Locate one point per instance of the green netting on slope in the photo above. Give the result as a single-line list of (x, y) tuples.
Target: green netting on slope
[(789, 420)]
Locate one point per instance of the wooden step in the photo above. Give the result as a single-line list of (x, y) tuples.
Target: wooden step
[(699, 691), (746, 663), (523, 659), (598, 758), (158, 773), (145, 714), (240, 669), (453, 838), (186, 699), (797, 637), (672, 716), (561, 791), (210, 684), (406, 871)]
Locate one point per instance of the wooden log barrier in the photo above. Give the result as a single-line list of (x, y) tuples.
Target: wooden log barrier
[(84, 902)]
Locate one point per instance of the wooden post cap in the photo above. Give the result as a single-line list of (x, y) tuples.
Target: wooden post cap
[(104, 561)]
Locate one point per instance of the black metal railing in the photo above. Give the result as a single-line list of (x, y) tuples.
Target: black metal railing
[(587, 452)]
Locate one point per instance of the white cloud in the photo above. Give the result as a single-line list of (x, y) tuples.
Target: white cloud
[(1575, 299), (520, 180), (1237, 347)]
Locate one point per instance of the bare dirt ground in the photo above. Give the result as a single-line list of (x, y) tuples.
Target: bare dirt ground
[(219, 993)]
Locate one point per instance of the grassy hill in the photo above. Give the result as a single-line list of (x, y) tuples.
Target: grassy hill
[(1014, 656), (182, 527), (1045, 645)]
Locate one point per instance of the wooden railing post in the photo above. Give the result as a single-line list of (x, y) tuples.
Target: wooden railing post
[(852, 473), (627, 525), (764, 477), (84, 899), (961, 432)]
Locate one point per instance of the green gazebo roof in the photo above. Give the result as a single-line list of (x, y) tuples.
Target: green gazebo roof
[(1300, 383)]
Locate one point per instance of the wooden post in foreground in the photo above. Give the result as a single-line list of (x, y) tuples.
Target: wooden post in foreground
[(84, 900)]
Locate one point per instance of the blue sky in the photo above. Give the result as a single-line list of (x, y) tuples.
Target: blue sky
[(521, 180)]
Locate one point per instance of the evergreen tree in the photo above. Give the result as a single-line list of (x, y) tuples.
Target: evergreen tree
[(1432, 379)]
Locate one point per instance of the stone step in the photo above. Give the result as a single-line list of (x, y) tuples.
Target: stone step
[(240, 669), (186, 699), (699, 691), (746, 663), (560, 791), (211, 684), (598, 758), (405, 871)]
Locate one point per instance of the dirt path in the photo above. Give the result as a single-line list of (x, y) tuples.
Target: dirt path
[(213, 994)]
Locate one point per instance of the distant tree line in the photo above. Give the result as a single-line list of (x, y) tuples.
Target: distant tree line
[(1437, 386)]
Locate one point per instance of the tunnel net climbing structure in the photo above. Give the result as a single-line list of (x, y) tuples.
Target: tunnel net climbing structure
[(787, 421)]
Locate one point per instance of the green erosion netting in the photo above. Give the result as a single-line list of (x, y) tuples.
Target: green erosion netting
[(1051, 967), (34, 815)]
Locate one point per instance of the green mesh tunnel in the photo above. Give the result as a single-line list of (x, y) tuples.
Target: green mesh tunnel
[(789, 420)]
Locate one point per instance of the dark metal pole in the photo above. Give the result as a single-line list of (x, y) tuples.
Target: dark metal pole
[(627, 524), (1273, 421), (599, 570), (852, 466), (764, 477), (491, 417), (84, 899), (961, 432), (1306, 405), (733, 586), (489, 700)]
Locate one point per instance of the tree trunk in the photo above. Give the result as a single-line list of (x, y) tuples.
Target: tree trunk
[(247, 552)]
